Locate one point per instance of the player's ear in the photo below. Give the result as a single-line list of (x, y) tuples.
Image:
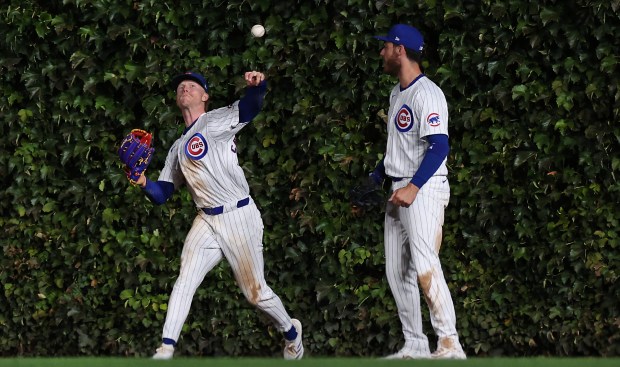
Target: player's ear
[(205, 97)]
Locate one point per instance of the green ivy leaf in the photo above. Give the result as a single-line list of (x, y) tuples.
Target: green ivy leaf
[(126, 294)]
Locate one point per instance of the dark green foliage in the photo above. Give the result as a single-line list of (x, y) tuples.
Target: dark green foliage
[(531, 249)]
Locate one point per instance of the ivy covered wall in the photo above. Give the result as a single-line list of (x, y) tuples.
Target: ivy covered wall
[(531, 248)]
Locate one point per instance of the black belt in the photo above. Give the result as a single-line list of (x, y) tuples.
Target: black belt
[(220, 209)]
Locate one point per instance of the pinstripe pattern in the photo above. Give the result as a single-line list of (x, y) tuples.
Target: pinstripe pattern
[(405, 150), (412, 242), (205, 159), (237, 237), (413, 234), (217, 177)]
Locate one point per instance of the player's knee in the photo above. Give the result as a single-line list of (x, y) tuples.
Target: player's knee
[(428, 277), (253, 293), (253, 301), (425, 279)]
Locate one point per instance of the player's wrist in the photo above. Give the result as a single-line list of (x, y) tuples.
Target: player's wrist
[(417, 181), (141, 181), (413, 186)]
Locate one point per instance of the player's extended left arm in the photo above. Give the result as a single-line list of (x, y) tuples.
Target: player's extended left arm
[(159, 192), (252, 102)]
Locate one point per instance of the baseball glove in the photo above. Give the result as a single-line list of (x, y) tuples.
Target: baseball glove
[(136, 153), (367, 194)]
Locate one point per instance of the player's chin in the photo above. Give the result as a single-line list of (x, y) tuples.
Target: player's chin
[(390, 70), (184, 102)]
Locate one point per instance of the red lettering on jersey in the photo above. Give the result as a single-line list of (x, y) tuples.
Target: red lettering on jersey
[(196, 147), (404, 119)]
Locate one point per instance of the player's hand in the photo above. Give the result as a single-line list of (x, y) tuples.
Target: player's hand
[(405, 196), (254, 78), (141, 181)]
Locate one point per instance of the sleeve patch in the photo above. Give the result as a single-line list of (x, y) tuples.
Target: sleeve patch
[(433, 119)]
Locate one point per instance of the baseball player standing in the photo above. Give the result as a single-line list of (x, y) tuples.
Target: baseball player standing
[(228, 224), (415, 162)]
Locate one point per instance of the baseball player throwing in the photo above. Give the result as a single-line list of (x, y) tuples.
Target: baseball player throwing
[(415, 162), (228, 224)]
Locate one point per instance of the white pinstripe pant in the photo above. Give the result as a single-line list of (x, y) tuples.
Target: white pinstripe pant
[(237, 236), (412, 242)]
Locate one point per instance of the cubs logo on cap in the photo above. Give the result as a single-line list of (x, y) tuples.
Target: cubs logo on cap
[(404, 119), (196, 147), (433, 119)]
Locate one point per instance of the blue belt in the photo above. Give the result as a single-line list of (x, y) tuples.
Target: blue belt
[(220, 209), (396, 179)]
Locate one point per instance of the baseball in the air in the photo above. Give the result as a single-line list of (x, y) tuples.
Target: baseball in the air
[(258, 30)]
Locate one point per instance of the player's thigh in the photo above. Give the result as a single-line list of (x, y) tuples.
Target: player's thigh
[(243, 248), (423, 222), (201, 250), (241, 234), (396, 241)]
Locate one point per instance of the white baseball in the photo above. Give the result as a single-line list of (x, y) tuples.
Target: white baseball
[(258, 30)]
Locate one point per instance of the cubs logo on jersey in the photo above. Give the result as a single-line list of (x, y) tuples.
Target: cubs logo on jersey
[(196, 147), (404, 119), (433, 119)]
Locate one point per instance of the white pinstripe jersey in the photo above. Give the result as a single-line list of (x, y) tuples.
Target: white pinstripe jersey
[(415, 112), (205, 159)]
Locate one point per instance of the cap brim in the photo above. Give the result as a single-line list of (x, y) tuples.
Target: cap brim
[(181, 77)]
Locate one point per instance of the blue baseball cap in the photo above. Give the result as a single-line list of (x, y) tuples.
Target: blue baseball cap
[(190, 75), (406, 35)]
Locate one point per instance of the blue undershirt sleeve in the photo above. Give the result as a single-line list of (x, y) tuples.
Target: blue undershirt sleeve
[(159, 192), (252, 102), (436, 152), (379, 173)]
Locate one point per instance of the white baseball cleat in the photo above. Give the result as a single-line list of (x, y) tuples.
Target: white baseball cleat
[(408, 353), (294, 349), (164, 352), (449, 348)]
